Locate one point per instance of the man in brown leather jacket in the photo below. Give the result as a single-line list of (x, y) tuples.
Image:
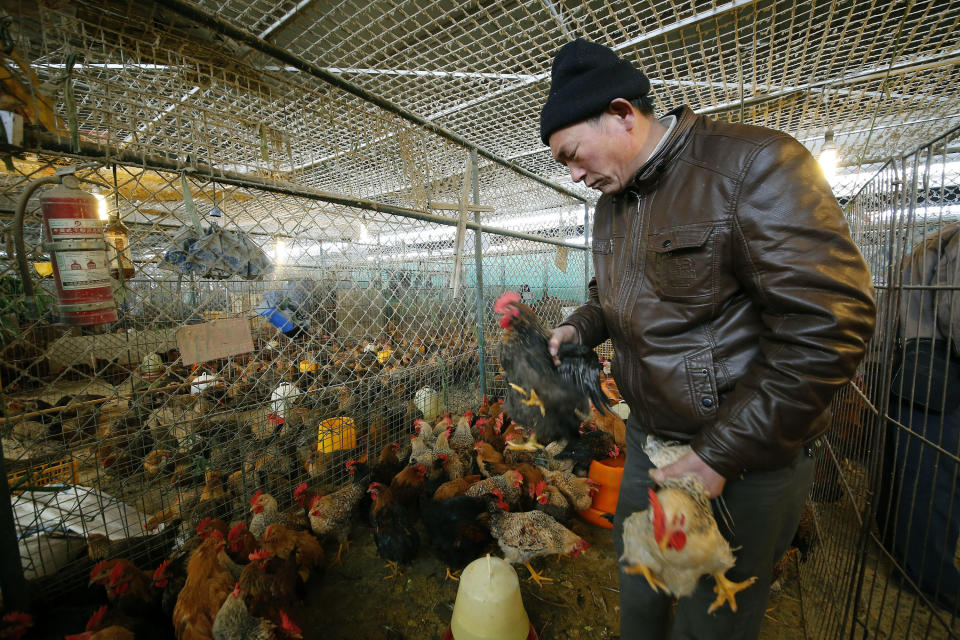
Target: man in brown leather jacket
[(736, 302)]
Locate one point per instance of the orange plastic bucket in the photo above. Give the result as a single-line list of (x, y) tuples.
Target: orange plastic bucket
[(607, 473)]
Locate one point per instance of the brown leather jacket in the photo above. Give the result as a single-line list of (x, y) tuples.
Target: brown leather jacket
[(736, 300)]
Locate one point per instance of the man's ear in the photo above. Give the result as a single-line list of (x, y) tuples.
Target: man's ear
[(623, 111)]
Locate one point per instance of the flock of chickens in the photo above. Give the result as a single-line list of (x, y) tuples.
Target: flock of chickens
[(469, 484), (461, 492)]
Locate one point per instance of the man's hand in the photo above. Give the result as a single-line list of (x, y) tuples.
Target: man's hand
[(563, 333), (691, 464)]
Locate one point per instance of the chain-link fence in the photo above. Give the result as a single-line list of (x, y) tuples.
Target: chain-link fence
[(342, 344), (885, 505)]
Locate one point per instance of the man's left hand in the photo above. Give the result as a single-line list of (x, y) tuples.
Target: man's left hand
[(691, 464)]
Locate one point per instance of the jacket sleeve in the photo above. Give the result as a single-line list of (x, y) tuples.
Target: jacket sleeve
[(588, 318), (794, 256)]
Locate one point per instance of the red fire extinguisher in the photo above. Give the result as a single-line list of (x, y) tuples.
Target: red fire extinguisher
[(73, 234)]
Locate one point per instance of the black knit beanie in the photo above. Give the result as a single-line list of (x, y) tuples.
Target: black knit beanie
[(586, 77)]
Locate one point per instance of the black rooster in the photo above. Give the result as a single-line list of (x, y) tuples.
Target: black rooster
[(552, 400), (457, 528), (394, 532)]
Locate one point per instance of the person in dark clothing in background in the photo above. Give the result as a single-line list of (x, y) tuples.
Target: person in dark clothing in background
[(737, 303)]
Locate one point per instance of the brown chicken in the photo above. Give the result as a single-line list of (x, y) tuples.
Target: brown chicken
[(486, 453), (208, 584), (407, 485), (331, 513), (612, 424), (490, 432), (676, 541), (387, 464), (281, 541), (530, 534), (453, 488), (241, 543)]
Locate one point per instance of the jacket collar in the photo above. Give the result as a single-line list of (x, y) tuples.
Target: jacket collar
[(648, 175)]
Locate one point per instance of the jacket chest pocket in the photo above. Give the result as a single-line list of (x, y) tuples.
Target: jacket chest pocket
[(682, 263), (604, 262)]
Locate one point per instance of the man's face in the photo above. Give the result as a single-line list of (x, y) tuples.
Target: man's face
[(594, 152)]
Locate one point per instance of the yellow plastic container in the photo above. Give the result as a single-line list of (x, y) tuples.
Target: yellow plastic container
[(306, 365), (334, 434)]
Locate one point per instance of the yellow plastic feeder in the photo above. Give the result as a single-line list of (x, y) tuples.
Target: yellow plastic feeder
[(334, 434)]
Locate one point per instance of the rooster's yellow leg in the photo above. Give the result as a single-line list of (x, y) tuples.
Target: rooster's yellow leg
[(727, 590), (644, 570), (530, 445), (539, 578), (343, 547), (519, 389), (535, 401), (453, 576), (394, 569)]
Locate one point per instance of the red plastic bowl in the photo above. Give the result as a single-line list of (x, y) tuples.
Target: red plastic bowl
[(448, 634)]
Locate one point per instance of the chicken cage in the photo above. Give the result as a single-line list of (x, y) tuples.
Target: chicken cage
[(353, 249)]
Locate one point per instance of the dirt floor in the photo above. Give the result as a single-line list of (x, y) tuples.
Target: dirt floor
[(354, 601)]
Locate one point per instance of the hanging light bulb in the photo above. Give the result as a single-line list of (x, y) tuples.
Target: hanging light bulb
[(828, 156), (281, 251), (101, 206)]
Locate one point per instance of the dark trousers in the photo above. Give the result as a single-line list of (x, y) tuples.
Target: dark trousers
[(765, 509)]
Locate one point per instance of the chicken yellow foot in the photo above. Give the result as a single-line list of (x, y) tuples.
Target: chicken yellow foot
[(394, 570), (530, 445), (452, 576), (644, 571), (539, 578), (343, 547), (726, 591)]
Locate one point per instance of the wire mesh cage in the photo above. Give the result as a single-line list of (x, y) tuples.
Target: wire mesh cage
[(884, 503)]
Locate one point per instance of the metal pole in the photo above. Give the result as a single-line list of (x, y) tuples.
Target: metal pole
[(586, 255), (12, 582), (478, 261)]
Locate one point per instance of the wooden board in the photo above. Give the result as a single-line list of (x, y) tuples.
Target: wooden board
[(212, 340)]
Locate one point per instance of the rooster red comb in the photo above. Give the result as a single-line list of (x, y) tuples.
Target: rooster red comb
[(116, 573), (288, 626), (300, 489), (258, 555), (203, 524), (255, 497), (236, 531), (507, 299), (93, 624), (160, 572)]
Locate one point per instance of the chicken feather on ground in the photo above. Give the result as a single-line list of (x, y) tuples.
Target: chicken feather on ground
[(530, 534), (552, 400), (676, 541)]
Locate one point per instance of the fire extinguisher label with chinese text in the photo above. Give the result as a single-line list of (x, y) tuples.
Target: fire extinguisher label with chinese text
[(75, 229), (82, 269)]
